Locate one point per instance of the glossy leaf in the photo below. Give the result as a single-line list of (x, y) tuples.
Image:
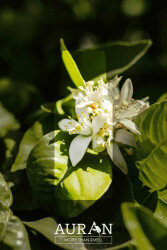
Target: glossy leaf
[(107, 210), (47, 227), (151, 155), (45, 125), (71, 66), (83, 185), (48, 161), (146, 230), (5, 193), (13, 234)]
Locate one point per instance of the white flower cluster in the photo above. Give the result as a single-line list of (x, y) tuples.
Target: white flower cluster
[(105, 116)]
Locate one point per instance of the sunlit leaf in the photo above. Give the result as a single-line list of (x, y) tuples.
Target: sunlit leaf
[(151, 155), (71, 65), (45, 125), (49, 164), (106, 61), (83, 185), (146, 230), (48, 161)]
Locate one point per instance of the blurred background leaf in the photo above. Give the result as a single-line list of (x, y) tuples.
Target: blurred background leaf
[(7, 122), (30, 70), (30, 31)]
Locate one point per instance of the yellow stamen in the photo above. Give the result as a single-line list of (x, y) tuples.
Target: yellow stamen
[(125, 104), (78, 126), (94, 105)]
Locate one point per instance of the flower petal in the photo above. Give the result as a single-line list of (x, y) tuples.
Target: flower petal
[(131, 126), (116, 92), (78, 148), (98, 143), (125, 137), (107, 106), (116, 156), (143, 107), (103, 87), (127, 114), (98, 122), (145, 99), (127, 90), (82, 113), (67, 124), (75, 92), (84, 104)]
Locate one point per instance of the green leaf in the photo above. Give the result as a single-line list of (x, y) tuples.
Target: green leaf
[(144, 228), (48, 161), (150, 201), (8, 122), (161, 211), (106, 61), (60, 106), (151, 155), (45, 125), (47, 165), (83, 185), (162, 194), (107, 209), (47, 227), (162, 97), (71, 66), (19, 184), (5, 193), (13, 234)]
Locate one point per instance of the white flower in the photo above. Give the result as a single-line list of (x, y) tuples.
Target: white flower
[(105, 114)]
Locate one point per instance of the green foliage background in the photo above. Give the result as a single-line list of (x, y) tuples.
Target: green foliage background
[(36, 191)]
